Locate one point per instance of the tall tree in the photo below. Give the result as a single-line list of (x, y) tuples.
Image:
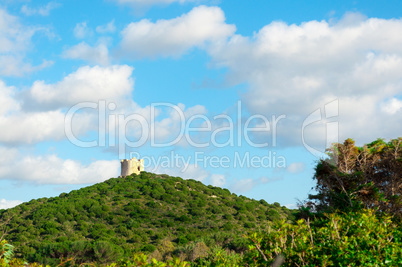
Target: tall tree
[(354, 177)]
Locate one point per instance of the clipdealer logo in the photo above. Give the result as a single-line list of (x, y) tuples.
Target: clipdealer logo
[(112, 132)]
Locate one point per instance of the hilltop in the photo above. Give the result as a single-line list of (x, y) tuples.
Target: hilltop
[(156, 214)]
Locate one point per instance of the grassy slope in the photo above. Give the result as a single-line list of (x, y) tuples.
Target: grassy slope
[(136, 213)]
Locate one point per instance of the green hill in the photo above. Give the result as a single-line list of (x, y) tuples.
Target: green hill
[(152, 213)]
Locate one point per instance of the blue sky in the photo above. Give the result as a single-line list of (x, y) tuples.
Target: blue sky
[(245, 95)]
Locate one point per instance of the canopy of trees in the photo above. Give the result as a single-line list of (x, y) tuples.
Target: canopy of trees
[(146, 213), (158, 220), (354, 177)]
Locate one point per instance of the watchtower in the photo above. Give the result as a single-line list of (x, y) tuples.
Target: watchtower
[(130, 166)]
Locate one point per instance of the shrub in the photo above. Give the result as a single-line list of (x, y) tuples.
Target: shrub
[(354, 239), (6, 252), (106, 252), (148, 248)]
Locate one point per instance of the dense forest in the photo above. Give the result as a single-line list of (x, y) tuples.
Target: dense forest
[(140, 213), (353, 219)]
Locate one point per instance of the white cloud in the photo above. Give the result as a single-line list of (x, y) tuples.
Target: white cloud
[(7, 204), (38, 114), (113, 83), (392, 106), (108, 28), (166, 127), (171, 125), (217, 180), (19, 126), (150, 2), (41, 110), (296, 167), (291, 206), (96, 55), (245, 185), (15, 40), (43, 11), (31, 127), (7, 101), (51, 169), (296, 69), (81, 30), (175, 36), (14, 37), (190, 171), (14, 65)]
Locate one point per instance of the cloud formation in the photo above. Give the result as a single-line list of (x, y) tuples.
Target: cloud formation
[(42, 11), (7, 204), (113, 83), (248, 184), (15, 41), (175, 36), (296, 69), (82, 31), (50, 169), (40, 125), (96, 55), (41, 109), (135, 3), (108, 28), (296, 167), (192, 171), (218, 180)]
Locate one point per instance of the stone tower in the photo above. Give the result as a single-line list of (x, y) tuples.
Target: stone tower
[(130, 166)]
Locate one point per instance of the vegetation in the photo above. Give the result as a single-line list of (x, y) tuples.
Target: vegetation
[(153, 214), (354, 239), (157, 220), (360, 177)]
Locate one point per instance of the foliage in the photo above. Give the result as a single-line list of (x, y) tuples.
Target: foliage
[(362, 238), (6, 252), (143, 260), (220, 257), (140, 213), (157, 220), (360, 177), (354, 239)]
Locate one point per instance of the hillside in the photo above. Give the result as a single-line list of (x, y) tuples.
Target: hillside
[(152, 213)]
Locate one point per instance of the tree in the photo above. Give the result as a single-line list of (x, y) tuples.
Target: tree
[(354, 177)]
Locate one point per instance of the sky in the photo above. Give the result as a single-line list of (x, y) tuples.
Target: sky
[(245, 95)]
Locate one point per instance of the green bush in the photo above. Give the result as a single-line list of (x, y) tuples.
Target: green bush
[(6, 253), (354, 239), (148, 248)]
